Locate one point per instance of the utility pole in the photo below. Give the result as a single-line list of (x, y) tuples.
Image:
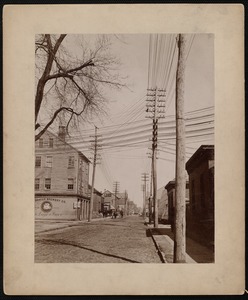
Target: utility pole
[(116, 187), (145, 179), (126, 196), (150, 199), (156, 96), (95, 148), (180, 222)]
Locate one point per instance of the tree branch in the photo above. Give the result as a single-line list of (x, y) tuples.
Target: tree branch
[(37, 136)]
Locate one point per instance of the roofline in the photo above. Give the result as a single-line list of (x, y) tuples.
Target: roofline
[(79, 152), (197, 152), (95, 190), (173, 182)]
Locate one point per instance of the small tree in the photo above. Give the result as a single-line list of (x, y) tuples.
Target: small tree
[(71, 74)]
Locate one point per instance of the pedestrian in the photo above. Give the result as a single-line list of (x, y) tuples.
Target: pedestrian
[(121, 212), (115, 214)]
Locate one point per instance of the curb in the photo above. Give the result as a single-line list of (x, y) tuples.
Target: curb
[(159, 250), (162, 255)]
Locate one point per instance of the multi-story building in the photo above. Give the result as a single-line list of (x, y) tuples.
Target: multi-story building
[(200, 217), (110, 200), (61, 179)]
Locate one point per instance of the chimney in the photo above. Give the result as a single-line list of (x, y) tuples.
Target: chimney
[(62, 133)]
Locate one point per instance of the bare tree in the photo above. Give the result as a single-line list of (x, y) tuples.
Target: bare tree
[(70, 81)]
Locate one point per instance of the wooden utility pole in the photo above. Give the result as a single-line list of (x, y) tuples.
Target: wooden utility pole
[(126, 203), (180, 222), (154, 161), (93, 177), (157, 110), (116, 186), (145, 179), (150, 200)]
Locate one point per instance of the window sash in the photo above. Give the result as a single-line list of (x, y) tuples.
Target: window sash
[(71, 162), (47, 183), (37, 184), (49, 161), (38, 161), (50, 142), (70, 185)]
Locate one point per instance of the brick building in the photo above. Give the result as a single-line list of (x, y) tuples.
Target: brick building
[(61, 179), (171, 193), (200, 217)]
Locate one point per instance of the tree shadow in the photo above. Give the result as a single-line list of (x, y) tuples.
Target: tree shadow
[(68, 243)]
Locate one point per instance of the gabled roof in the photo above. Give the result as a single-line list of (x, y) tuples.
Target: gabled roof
[(66, 143), (95, 190)]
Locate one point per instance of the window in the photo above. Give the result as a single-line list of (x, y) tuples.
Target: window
[(37, 184), (70, 183), (51, 143), (40, 143), (47, 183), (49, 161), (45, 143), (38, 161), (71, 162)]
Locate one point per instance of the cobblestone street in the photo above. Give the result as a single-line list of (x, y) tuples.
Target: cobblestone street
[(108, 241)]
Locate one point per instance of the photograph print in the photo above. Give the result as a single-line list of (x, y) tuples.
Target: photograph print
[(124, 148)]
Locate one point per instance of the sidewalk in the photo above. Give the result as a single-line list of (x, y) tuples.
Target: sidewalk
[(163, 239), (48, 225)]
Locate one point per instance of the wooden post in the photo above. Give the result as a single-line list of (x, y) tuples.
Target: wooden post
[(154, 163), (150, 200), (180, 222), (93, 178)]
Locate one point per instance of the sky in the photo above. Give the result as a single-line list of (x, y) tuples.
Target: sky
[(126, 164)]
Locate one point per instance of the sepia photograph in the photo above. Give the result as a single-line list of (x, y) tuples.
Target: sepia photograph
[(124, 148)]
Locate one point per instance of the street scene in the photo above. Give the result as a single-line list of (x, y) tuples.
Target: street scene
[(124, 148), (111, 241)]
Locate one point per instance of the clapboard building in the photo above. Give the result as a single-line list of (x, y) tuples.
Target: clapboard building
[(61, 179)]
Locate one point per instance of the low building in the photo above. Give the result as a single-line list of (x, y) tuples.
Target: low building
[(98, 202), (171, 194), (162, 198), (61, 179), (200, 217)]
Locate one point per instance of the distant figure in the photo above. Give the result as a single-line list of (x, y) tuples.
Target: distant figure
[(115, 214), (121, 213)]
